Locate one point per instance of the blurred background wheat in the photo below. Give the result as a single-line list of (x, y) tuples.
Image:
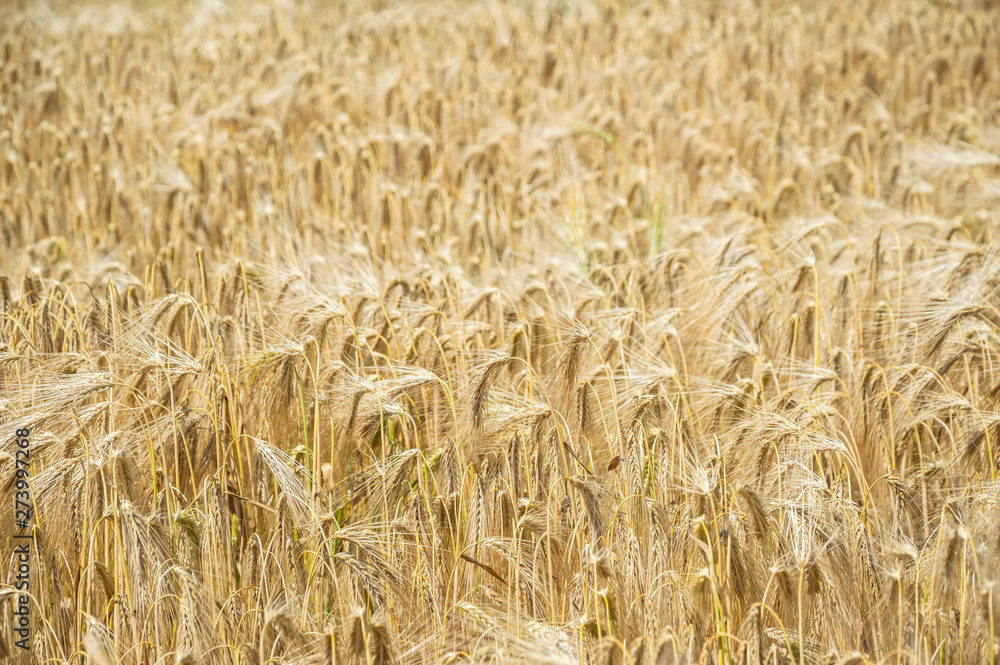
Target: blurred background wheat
[(558, 332)]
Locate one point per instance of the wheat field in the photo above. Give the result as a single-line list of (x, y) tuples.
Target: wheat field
[(570, 332)]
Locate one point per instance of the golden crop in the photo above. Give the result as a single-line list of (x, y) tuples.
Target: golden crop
[(562, 332)]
